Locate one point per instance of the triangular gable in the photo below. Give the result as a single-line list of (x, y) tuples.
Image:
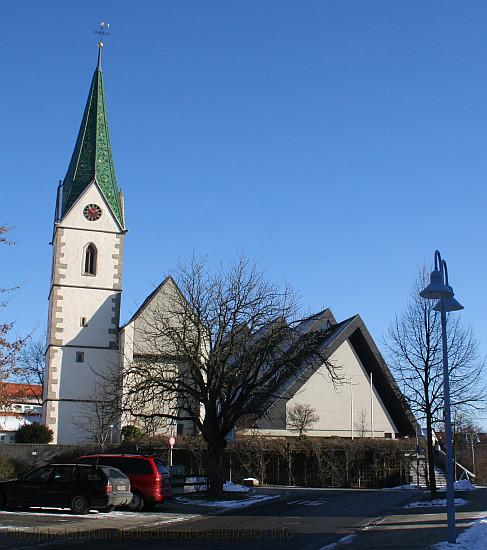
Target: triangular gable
[(146, 303), (355, 331), (106, 205)]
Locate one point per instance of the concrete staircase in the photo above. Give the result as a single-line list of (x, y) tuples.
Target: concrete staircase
[(423, 482), (440, 478)]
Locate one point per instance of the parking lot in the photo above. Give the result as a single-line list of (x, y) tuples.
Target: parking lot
[(23, 528)]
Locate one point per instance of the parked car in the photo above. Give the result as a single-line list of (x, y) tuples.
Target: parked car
[(76, 486), (150, 480)]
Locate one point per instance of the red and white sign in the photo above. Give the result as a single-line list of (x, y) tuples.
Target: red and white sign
[(172, 441)]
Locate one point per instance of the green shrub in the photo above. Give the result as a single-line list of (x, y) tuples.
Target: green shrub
[(7, 468), (33, 433), (131, 433)]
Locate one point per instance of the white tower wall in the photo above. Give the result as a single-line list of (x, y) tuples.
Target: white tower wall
[(84, 313)]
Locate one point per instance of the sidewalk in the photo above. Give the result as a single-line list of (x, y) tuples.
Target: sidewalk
[(419, 528)]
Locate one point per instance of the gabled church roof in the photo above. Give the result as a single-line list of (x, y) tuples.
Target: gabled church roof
[(92, 155), (333, 335), (166, 281)]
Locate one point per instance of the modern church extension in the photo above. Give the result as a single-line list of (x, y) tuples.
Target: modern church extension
[(86, 340)]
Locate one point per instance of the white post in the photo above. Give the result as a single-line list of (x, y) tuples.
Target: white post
[(351, 408), (371, 407)]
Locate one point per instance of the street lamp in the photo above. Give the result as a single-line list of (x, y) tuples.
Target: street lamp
[(472, 438), (440, 289)]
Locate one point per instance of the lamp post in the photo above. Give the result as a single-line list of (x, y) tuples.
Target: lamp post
[(417, 456), (439, 289), (472, 438)]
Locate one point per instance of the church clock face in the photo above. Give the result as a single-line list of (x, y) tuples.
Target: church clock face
[(92, 212)]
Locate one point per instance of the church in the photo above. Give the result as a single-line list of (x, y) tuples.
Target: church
[(86, 339)]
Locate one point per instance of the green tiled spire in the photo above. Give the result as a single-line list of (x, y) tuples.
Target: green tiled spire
[(92, 156)]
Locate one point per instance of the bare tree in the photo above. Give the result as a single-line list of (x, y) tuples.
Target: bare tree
[(31, 365), (221, 347), (302, 417), (415, 354), (361, 421), (466, 438), (99, 418), (9, 347)]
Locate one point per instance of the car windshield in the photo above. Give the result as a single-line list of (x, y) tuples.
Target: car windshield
[(113, 472), (128, 465), (161, 467), (42, 474)]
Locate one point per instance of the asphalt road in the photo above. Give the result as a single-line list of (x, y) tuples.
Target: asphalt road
[(300, 518)]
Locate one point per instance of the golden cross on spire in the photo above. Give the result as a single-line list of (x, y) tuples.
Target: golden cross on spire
[(104, 30)]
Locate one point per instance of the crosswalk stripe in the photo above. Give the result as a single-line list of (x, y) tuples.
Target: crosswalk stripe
[(306, 502)]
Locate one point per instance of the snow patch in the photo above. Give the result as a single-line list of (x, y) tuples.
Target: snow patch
[(464, 485), (435, 502), (409, 487), (347, 539), (251, 481), (65, 513), (227, 503), (473, 538), (234, 488)]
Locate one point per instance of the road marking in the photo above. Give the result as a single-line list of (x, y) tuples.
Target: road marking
[(306, 502)]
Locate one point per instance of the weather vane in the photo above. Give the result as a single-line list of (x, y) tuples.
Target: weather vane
[(104, 30)]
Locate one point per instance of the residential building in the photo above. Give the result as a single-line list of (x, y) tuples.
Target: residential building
[(25, 407)]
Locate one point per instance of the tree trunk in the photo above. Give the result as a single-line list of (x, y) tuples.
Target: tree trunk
[(431, 456), (216, 454)]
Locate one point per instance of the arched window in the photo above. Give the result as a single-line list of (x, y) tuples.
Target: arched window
[(89, 265)]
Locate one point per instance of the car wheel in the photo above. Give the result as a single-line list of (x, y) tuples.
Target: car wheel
[(137, 502), (79, 504)]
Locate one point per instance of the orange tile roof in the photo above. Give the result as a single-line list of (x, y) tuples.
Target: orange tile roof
[(22, 391)]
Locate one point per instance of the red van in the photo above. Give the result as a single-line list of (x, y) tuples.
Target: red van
[(150, 480)]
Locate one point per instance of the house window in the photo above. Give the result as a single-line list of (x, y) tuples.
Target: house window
[(80, 357), (83, 322), (89, 265)]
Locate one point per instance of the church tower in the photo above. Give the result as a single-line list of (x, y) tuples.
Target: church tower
[(86, 279)]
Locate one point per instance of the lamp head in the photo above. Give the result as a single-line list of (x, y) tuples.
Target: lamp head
[(437, 288), (449, 304)]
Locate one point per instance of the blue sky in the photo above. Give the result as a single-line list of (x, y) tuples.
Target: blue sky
[(335, 143)]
